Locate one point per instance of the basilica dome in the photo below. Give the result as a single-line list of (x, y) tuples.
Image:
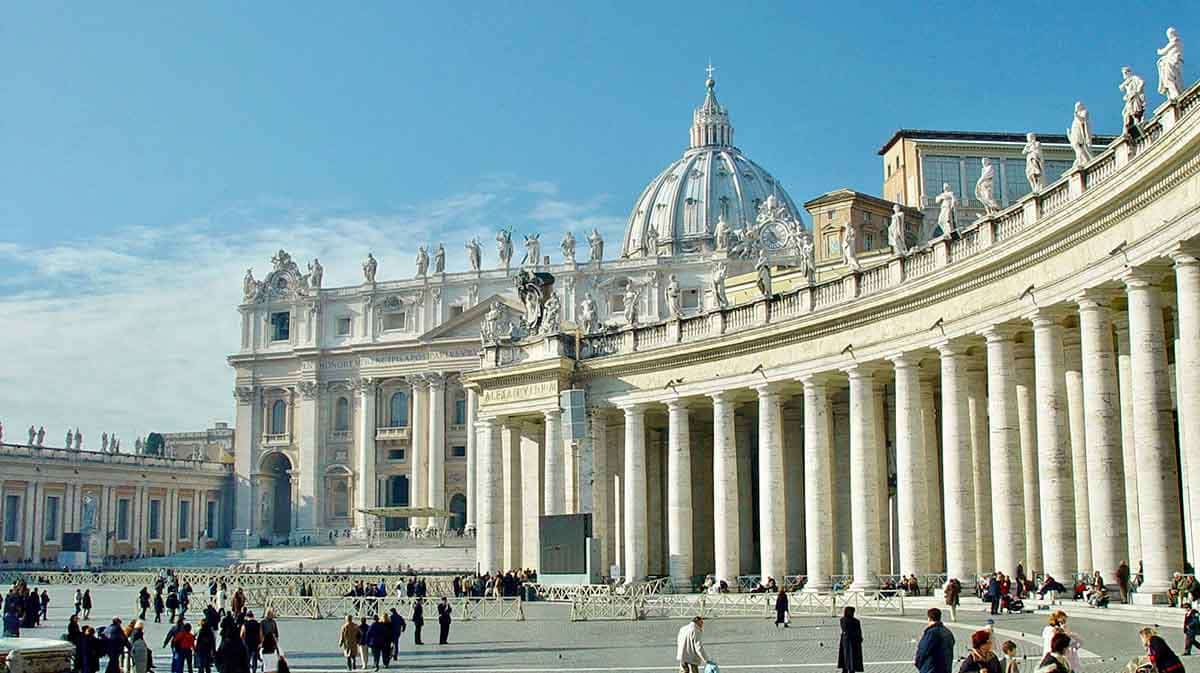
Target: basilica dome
[(678, 211)]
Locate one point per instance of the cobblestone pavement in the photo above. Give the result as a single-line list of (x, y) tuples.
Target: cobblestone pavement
[(547, 641)]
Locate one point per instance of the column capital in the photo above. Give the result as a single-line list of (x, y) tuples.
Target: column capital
[(485, 422), (366, 386), (1186, 253), (309, 390), (677, 403), (816, 379), (722, 397), (436, 381), (908, 360), (1000, 333), (1094, 298), (1044, 317), (952, 347), (768, 389), (632, 408), (1146, 275), (861, 370)]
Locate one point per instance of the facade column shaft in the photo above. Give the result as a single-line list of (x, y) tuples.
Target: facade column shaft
[(636, 538), (418, 450), (510, 459), (1027, 419), (1008, 494), (957, 475), (1055, 472), (1105, 469), (864, 466), (726, 535), (472, 458), (911, 500), (1187, 369), (818, 484), (365, 488), (1079, 457), (772, 512), (679, 495), (532, 504), (1154, 437), (1133, 523), (555, 495), (603, 522), (489, 542), (437, 446)]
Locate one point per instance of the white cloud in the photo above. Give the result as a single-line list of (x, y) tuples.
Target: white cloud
[(128, 332)]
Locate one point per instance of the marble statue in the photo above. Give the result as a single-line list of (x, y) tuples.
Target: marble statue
[(474, 253), (947, 219), (104, 442), (718, 285), (596, 245), (315, 273), (1133, 90), (369, 268), (534, 289), (552, 315), (1035, 167), (249, 285), (985, 186), (763, 267), (721, 234), (896, 231), (89, 513), (631, 304), (489, 329), (41, 435), (422, 261), (651, 241), (1080, 135), (113, 444), (138, 446), (850, 246), (589, 319), (78, 439), (805, 258), (1170, 66), (2, 432), (504, 246), (674, 297), (32, 435), (439, 259), (568, 248), (533, 250), (70, 438)]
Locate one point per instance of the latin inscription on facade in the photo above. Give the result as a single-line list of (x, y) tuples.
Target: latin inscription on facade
[(389, 359), (516, 393)]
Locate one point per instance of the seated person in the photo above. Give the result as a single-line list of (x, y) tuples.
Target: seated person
[(1050, 584)]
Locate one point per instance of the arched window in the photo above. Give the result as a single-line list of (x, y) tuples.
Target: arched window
[(278, 417), (399, 410), (341, 414)]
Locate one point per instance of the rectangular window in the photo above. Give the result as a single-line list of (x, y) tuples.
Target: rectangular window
[(460, 411), (830, 216), (281, 323), (394, 321), (343, 326), (456, 311), (154, 520), (185, 519), (50, 519), (616, 303), (395, 454), (973, 169), (690, 298), (123, 520), (210, 519), (12, 518), (1055, 170), (940, 170), (458, 452), (1015, 184)]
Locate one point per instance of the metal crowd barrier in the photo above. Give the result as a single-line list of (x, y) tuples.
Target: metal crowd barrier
[(569, 592), (615, 607), (465, 609)]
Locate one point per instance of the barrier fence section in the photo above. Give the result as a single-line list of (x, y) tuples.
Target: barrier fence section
[(251, 583), (762, 605), (337, 607), (570, 592)]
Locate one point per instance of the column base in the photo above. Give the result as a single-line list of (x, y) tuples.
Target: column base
[(863, 586)]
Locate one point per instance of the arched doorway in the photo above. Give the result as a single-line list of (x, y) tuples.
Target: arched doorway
[(458, 507), (276, 496), (397, 497)]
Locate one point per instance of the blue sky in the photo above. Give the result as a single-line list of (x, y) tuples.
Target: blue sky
[(149, 153)]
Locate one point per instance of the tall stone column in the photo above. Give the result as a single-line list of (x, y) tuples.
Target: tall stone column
[(912, 503), (679, 494), (532, 505), (555, 495), (309, 425), (1079, 457), (981, 463), (883, 560), (1055, 472), (793, 466), (636, 538), (772, 517), (1162, 530), (364, 490), (1027, 419), (726, 535), (510, 459), (488, 540), (1187, 370), (864, 467), (1004, 430), (1105, 469), (437, 445), (1133, 522), (603, 520), (418, 449), (933, 471), (818, 484), (741, 430), (472, 459), (843, 525), (957, 475)]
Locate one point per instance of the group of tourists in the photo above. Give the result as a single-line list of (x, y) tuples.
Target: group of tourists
[(378, 641), (23, 608)]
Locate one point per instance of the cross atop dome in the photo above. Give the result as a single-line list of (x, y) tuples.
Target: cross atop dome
[(710, 121)]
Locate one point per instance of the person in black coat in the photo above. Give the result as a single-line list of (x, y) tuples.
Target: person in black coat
[(232, 656), (115, 645), (206, 646), (379, 636), (158, 607), (398, 625), (443, 621), (143, 602), (935, 652), (850, 656), (89, 650), (781, 609), (418, 620)]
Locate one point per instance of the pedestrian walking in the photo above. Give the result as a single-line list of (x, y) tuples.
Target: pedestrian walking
[(689, 648), (443, 609), (1055, 661), (206, 647), (935, 652), (418, 620), (184, 647), (45, 604), (252, 637), (86, 603), (850, 656), (143, 603), (364, 649), (781, 609), (143, 658), (159, 606), (116, 643), (232, 656), (78, 600), (348, 641), (270, 633), (1161, 655), (378, 637), (398, 626), (1057, 623), (1191, 627), (951, 592)]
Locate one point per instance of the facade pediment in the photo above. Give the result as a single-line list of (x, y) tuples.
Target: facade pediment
[(467, 324)]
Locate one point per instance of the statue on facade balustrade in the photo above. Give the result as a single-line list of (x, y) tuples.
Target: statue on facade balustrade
[(534, 289), (88, 519), (533, 250), (439, 259), (568, 247), (474, 253), (250, 286), (596, 245), (722, 234), (1080, 135), (1035, 166), (589, 318), (551, 315), (1, 431), (41, 436), (674, 297), (896, 233), (422, 261), (1133, 90), (70, 438), (718, 285), (104, 442), (369, 268), (631, 298), (138, 446), (32, 435), (114, 444), (1170, 66), (489, 329), (504, 246), (763, 267), (850, 246), (316, 273), (985, 186), (947, 218), (78, 439)]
